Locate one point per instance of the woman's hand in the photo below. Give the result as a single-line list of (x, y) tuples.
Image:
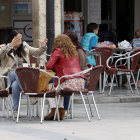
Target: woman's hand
[(43, 43), (16, 42)]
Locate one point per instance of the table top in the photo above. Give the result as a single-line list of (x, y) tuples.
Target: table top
[(121, 50), (94, 53)]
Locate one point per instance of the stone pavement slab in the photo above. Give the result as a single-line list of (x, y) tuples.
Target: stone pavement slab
[(118, 122)]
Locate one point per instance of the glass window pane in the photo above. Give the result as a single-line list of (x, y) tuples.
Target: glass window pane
[(106, 8)]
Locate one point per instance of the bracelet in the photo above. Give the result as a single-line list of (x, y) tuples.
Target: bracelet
[(8, 45)]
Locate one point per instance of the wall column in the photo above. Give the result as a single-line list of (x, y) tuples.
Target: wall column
[(136, 15), (39, 23), (57, 8)]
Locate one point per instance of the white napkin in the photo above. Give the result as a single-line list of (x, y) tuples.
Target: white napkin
[(124, 44)]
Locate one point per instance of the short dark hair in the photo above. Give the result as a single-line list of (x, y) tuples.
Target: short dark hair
[(91, 26), (137, 33), (9, 39)]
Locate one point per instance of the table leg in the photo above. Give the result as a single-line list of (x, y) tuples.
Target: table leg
[(120, 79), (128, 66), (100, 79)]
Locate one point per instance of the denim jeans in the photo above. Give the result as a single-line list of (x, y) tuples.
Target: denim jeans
[(66, 102), (16, 89)]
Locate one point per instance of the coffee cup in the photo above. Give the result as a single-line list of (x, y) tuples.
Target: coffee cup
[(25, 65)]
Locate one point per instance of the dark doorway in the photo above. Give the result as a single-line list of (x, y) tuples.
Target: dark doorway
[(125, 19)]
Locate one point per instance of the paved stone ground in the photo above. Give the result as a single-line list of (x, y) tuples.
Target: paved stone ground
[(118, 122)]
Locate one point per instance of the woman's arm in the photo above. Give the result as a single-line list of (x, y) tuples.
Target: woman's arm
[(34, 51), (93, 42), (53, 59), (82, 59), (4, 49)]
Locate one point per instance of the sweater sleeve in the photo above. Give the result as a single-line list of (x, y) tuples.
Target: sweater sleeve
[(92, 42)]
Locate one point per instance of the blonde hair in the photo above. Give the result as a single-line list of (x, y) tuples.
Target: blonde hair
[(67, 47)]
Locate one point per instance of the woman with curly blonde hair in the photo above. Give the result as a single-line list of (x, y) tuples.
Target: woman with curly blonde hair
[(64, 60)]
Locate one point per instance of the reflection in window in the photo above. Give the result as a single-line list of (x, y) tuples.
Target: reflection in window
[(105, 27), (72, 5), (106, 9)]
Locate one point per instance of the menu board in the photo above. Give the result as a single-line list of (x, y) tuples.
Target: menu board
[(94, 7), (23, 6)]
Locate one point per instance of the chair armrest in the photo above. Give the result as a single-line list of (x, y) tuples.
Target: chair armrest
[(116, 56), (39, 58), (82, 72), (9, 82), (125, 58), (52, 77), (90, 50), (47, 54)]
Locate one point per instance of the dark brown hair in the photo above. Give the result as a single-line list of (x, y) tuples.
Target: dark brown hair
[(74, 39), (137, 34)]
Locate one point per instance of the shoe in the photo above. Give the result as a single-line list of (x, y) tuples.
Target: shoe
[(62, 113), (15, 112), (68, 114), (109, 84), (51, 115), (33, 100), (131, 81), (120, 72)]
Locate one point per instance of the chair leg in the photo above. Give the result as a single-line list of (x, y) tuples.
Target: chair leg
[(137, 77), (95, 106), (71, 115), (111, 85), (104, 83), (41, 103), (48, 108), (37, 108), (27, 105), (89, 105), (56, 110), (10, 104), (11, 100), (7, 108), (116, 80), (134, 82), (29, 108), (3, 108), (69, 106), (85, 106), (19, 108), (128, 79), (43, 108)]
